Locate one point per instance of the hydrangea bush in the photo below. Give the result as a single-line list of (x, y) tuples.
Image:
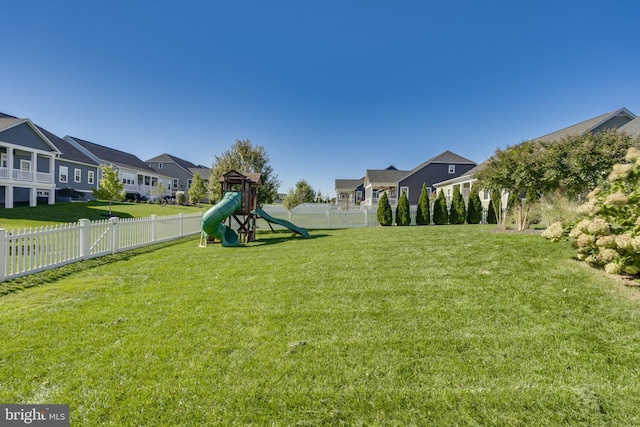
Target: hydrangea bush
[(609, 234)]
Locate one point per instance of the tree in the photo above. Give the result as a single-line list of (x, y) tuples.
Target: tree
[(458, 211), (197, 191), (423, 214), (577, 164), (111, 188), (245, 158), (440, 214), (403, 212), (384, 213), (159, 191), (474, 212), (303, 193), (520, 170)]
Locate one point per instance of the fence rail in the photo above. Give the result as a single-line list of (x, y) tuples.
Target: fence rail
[(32, 250)]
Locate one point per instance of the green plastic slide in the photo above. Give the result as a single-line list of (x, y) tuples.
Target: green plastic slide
[(212, 220), (262, 214)]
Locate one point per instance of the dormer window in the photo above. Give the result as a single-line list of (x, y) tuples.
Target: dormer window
[(452, 168)]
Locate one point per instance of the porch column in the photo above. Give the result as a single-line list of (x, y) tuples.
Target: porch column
[(10, 167), (34, 167), (33, 197), (52, 172), (8, 196), (52, 196)]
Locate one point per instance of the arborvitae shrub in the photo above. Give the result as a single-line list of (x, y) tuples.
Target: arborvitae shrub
[(423, 214), (440, 214), (384, 213), (458, 212), (474, 213), (403, 213)]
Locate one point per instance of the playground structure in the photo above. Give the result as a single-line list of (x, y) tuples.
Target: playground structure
[(239, 203)]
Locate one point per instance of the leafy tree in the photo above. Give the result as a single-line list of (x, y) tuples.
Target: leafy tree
[(159, 191), (111, 188), (423, 214), (440, 213), (384, 213), (245, 158), (303, 193), (576, 164), (474, 212), (403, 212), (197, 191), (520, 170), (458, 211)]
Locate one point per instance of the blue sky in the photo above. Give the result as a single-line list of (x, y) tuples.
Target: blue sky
[(329, 88)]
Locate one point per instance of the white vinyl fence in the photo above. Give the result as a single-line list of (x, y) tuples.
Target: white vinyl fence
[(33, 250)]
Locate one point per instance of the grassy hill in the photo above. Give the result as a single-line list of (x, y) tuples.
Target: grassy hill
[(451, 325)]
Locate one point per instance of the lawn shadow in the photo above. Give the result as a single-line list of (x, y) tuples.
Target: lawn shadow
[(282, 236), (57, 273)]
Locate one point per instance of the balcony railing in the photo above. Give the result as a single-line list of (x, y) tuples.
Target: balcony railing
[(26, 176)]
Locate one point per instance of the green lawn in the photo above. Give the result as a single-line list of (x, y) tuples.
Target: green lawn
[(23, 217), (449, 325)]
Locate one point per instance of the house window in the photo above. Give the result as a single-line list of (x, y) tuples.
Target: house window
[(77, 175), (486, 195), (90, 177), (175, 183), (160, 165), (63, 174), (3, 160), (374, 194), (25, 165), (452, 168), (189, 181), (128, 178), (358, 196), (404, 190)]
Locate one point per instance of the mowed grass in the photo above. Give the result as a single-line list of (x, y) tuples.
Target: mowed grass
[(25, 217), (450, 325)]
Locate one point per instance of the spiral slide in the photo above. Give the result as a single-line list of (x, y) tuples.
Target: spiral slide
[(301, 231), (212, 220)]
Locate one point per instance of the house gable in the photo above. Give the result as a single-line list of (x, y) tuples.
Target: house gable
[(612, 120), (24, 134)]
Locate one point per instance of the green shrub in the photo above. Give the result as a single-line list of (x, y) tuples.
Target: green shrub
[(181, 198), (458, 211), (608, 235), (384, 213), (403, 213), (474, 213), (423, 214), (440, 213)]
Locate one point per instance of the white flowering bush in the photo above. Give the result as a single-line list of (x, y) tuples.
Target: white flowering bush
[(608, 236)]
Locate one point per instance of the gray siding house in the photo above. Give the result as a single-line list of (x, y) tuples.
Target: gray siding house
[(136, 175), (76, 174), (395, 182), (181, 171), (27, 164)]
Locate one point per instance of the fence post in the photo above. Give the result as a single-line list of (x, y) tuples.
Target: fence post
[(154, 228), (85, 238), (3, 254), (181, 225), (366, 217), (328, 217), (114, 234)]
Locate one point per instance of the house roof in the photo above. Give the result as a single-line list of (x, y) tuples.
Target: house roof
[(448, 157), (348, 184), (467, 176), (632, 128), (112, 155), (385, 175), (585, 126), (68, 151), (7, 121)]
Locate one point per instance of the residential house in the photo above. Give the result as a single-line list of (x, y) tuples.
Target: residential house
[(394, 182), (76, 174), (137, 176), (621, 119), (27, 164), (181, 171), (349, 191)]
